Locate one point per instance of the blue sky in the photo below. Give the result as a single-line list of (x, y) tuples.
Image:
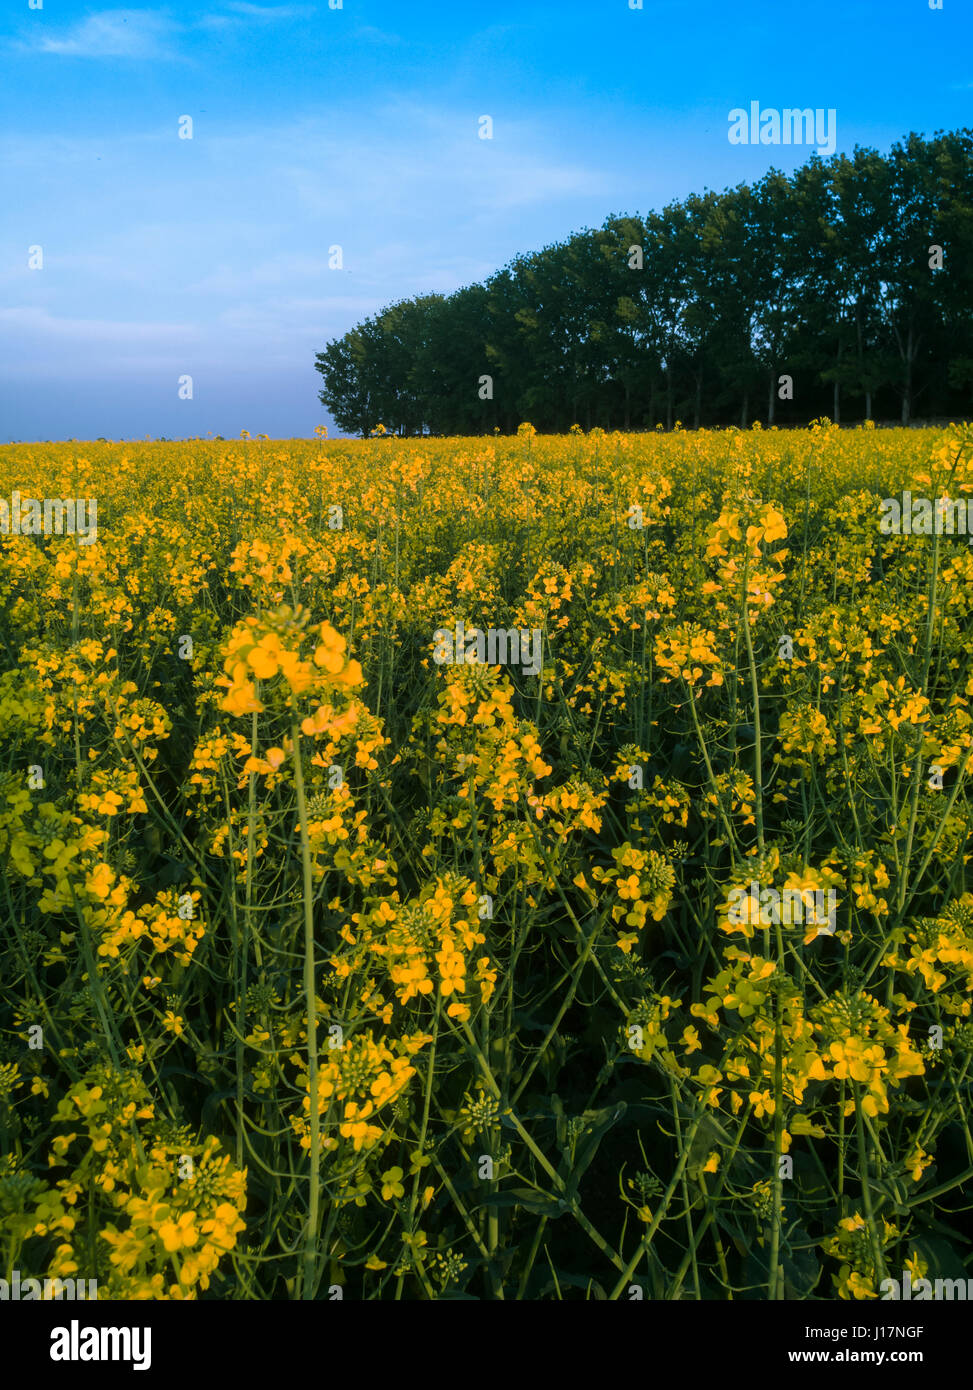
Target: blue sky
[(358, 127)]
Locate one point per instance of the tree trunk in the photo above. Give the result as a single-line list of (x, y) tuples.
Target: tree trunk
[(861, 359), (836, 408), (699, 401), (907, 392)]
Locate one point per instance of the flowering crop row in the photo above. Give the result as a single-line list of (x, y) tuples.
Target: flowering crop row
[(332, 968)]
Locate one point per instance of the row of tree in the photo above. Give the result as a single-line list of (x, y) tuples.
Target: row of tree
[(845, 288)]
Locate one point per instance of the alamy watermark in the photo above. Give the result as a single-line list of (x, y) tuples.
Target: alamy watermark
[(787, 126), (922, 1290), (787, 907), (49, 516), (76, 1343), (922, 516), (521, 647), (21, 1290)]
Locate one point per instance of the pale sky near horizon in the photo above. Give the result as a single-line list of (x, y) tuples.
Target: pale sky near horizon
[(358, 127)]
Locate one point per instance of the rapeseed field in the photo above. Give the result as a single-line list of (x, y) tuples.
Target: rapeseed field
[(512, 867)]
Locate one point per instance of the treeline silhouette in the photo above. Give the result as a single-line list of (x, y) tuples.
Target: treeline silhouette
[(845, 289)]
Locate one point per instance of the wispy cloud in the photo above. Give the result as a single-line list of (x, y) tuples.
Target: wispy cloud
[(238, 14), (110, 34), (269, 13), (284, 269), (33, 323), (125, 33), (410, 157)]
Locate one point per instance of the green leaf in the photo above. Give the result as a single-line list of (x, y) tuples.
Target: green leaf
[(802, 1270), (529, 1200), (600, 1122)]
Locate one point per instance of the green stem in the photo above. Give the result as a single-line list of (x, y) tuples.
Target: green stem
[(310, 993)]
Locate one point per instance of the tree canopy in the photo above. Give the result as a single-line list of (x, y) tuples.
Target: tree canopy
[(844, 288)]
